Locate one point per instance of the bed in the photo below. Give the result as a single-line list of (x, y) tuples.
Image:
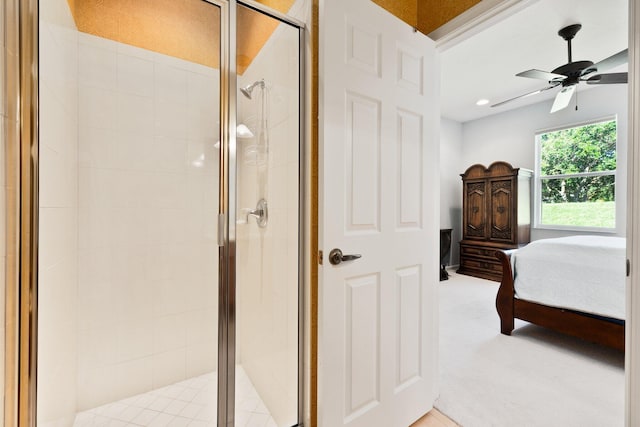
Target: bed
[(574, 285)]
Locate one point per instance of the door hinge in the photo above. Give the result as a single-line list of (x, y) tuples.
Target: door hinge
[(320, 254), (628, 268), (222, 227)]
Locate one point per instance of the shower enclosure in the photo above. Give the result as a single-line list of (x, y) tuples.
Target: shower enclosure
[(170, 275)]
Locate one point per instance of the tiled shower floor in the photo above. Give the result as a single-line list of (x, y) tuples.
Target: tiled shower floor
[(188, 403)]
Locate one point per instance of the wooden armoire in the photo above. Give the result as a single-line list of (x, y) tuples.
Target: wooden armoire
[(496, 214)]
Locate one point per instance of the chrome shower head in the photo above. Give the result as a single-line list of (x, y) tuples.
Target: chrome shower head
[(246, 91)]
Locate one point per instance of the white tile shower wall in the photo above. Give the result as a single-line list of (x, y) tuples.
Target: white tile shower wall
[(148, 196), (58, 250), (267, 258)]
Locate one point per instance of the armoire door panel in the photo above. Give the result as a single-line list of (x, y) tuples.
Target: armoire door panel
[(502, 210), (475, 213)]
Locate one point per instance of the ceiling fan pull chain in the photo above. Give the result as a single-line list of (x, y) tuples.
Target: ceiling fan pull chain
[(576, 98)]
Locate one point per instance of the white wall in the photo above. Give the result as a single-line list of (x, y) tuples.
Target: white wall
[(451, 167), (148, 192), (510, 137), (58, 247), (268, 258)]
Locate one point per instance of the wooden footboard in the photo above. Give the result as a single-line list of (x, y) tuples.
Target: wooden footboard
[(608, 332), (506, 294)]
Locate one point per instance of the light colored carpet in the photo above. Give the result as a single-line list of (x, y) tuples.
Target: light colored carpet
[(535, 377)]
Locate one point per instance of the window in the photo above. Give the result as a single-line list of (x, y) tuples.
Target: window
[(576, 177)]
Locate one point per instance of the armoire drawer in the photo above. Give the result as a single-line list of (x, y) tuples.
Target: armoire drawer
[(482, 264), (478, 251), (479, 266)]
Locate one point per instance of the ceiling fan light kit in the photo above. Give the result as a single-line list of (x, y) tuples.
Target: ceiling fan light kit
[(569, 75)]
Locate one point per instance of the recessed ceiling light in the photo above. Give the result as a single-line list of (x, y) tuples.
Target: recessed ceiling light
[(482, 102)]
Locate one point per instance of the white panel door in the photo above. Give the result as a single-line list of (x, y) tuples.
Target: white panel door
[(379, 124)]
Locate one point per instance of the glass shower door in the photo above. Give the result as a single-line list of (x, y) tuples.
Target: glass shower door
[(267, 222), (129, 175), (136, 139)]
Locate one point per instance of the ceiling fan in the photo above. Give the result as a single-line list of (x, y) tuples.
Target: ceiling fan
[(570, 74)]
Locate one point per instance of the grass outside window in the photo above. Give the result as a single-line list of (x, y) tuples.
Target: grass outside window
[(589, 214)]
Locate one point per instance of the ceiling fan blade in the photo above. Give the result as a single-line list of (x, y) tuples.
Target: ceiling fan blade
[(542, 75), (607, 79), (610, 62), (563, 98), (535, 92)]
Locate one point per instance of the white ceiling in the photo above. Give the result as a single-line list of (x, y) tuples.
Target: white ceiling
[(484, 65)]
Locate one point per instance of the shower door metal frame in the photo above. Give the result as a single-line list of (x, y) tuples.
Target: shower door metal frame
[(227, 212), (227, 320), (21, 279), (22, 177)]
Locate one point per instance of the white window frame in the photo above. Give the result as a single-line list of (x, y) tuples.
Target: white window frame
[(537, 202)]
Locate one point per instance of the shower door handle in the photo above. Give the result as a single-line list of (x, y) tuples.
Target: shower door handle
[(336, 257)]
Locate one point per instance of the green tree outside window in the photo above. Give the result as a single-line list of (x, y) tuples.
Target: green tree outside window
[(577, 170)]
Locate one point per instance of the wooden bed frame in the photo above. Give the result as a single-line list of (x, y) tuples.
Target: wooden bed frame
[(588, 327)]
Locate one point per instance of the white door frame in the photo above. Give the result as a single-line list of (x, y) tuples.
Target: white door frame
[(486, 13), (632, 361)]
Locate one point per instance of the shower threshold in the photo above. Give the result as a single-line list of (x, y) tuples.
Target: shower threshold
[(190, 403)]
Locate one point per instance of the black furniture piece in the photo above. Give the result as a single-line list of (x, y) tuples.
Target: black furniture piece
[(445, 252)]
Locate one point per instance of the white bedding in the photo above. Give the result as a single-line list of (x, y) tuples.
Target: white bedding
[(584, 273)]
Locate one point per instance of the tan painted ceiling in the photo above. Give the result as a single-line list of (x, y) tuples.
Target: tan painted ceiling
[(185, 29), (432, 14), (426, 15), (407, 10), (254, 29)]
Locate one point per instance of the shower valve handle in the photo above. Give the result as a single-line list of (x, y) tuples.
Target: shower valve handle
[(336, 257), (260, 213), (256, 213)]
